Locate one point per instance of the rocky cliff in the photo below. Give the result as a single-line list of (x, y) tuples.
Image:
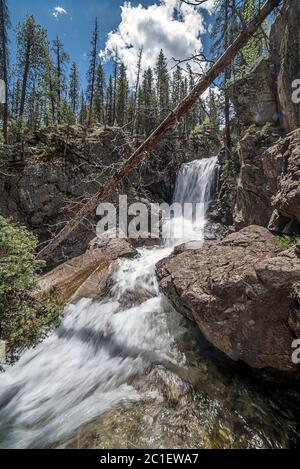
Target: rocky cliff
[(267, 190), (45, 182), (264, 95)]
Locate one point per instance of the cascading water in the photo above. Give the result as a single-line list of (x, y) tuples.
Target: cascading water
[(86, 367)]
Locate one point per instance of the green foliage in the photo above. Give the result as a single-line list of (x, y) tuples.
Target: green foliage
[(23, 319), (257, 43), (18, 131), (286, 242), (121, 96), (229, 172)]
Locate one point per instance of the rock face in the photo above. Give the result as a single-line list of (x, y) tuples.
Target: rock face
[(44, 184), (285, 57), (265, 94), (254, 96), (88, 275), (240, 293), (268, 192)]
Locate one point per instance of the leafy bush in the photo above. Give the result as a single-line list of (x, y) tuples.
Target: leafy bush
[(286, 242), (24, 320)]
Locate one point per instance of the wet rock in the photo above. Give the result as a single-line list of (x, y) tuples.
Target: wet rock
[(89, 275), (239, 292)]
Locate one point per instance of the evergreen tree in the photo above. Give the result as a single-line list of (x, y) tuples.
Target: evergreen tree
[(122, 96), (92, 70), (74, 84), (162, 85), (4, 25), (109, 102), (257, 43), (31, 57), (15, 100), (115, 80), (147, 104), (83, 113), (100, 94), (60, 86), (136, 89)]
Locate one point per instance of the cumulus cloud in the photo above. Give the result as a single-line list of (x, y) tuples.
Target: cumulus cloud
[(57, 11), (169, 25)]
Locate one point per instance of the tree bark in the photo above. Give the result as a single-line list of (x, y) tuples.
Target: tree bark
[(25, 78), (203, 83)]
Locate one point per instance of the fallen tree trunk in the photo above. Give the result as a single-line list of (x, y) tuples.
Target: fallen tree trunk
[(202, 85)]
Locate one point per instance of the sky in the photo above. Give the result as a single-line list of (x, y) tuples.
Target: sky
[(151, 24)]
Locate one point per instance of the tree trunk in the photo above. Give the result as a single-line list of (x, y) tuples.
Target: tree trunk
[(25, 79), (186, 104)]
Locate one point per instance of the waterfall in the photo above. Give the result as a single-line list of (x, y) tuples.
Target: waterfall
[(86, 366)]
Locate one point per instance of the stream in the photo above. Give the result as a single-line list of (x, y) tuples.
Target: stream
[(130, 372)]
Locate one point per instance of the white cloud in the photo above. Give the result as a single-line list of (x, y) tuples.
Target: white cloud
[(209, 5), (168, 25), (57, 11)]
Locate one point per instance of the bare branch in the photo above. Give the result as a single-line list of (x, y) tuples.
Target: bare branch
[(167, 124)]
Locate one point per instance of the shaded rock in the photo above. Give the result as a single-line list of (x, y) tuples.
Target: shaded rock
[(88, 275), (238, 291), (254, 96), (285, 58), (282, 163), (46, 181), (265, 93), (256, 185)]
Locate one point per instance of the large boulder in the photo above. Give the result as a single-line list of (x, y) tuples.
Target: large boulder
[(241, 293), (88, 275)]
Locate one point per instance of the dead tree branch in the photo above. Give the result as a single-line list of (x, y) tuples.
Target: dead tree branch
[(164, 127)]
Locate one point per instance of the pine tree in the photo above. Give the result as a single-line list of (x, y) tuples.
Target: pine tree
[(74, 84), (31, 56), (100, 94), (162, 85), (4, 25), (50, 87), (15, 100), (91, 78), (256, 45), (136, 89), (115, 80), (147, 104), (109, 102), (122, 96), (83, 114), (60, 86)]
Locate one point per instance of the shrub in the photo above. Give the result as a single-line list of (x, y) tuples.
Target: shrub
[(24, 320), (286, 242)]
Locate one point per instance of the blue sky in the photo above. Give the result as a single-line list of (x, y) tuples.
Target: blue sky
[(74, 27)]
